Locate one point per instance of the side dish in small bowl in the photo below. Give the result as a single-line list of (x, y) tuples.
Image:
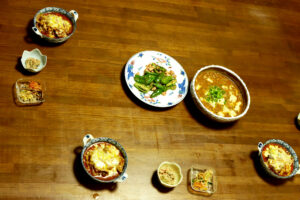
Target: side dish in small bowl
[(202, 180), (28, 92), (55, 24), (33, 61), (220, 94), (278, 159), (169, 174), (104, 159)]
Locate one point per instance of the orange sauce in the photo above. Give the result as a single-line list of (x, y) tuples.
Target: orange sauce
[(219, 94)]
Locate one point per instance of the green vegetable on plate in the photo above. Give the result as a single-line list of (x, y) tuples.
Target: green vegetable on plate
[(156, 79)]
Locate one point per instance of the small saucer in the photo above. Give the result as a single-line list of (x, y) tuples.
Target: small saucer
[(35, 53)]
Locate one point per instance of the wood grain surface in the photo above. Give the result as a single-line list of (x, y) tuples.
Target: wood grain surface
[(86, 93)]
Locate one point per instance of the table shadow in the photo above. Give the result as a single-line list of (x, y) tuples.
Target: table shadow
[(31, 37), (262, 173), (134, 99), (201, 118), (296, 123), (83, 178), (155, 183)]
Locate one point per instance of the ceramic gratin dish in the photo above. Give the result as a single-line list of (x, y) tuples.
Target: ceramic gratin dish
[(89, 140), (137, 64), (290, 150), (35, 53), (72, 15), (236, 79)]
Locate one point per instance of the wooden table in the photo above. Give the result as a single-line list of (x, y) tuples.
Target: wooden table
[(40, 145)]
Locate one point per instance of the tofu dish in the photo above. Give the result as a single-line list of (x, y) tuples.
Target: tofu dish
[(54, 25), (219, 94), (103, 161)]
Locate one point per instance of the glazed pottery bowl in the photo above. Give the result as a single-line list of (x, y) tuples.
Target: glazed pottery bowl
[(236, 79), (89, 140), (72, 15), (288, 148), (35, 53)]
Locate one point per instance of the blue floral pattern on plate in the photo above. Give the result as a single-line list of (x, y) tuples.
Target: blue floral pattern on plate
[(137, 64)]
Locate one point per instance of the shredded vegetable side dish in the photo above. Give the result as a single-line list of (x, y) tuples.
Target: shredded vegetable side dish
[(203, 181), (30, 92)]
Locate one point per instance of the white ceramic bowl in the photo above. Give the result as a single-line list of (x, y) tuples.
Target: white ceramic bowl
[(238, 81), (35, 53), (177, 167)]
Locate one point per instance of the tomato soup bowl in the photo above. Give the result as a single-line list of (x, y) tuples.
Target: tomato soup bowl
[(239, 83), (88, 141), (295, 170), (72, 16)]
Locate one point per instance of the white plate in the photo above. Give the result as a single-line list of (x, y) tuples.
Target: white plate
[(138, 62)]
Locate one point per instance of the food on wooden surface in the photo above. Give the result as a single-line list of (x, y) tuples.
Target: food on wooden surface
[(169, 174), (32, 63), (278, 159), (29, 92), (203, 181), (103, 161), (219, 94), (156, 79), (54, 25)]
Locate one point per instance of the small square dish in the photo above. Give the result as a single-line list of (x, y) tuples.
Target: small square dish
[(29, 92), (203, 180)]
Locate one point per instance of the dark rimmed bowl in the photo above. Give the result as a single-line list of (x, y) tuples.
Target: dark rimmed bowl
[(89, 140), (72, 15), (290, 150)]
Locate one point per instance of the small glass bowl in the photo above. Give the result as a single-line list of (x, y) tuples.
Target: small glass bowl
[(193, 172), (17, 98)]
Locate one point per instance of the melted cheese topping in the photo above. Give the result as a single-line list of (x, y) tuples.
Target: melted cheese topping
[(104, 157), (278, 160), (53, 25)]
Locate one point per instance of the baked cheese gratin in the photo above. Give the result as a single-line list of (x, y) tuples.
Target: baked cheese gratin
[(278, 159), (54, 25), (103, 161)]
